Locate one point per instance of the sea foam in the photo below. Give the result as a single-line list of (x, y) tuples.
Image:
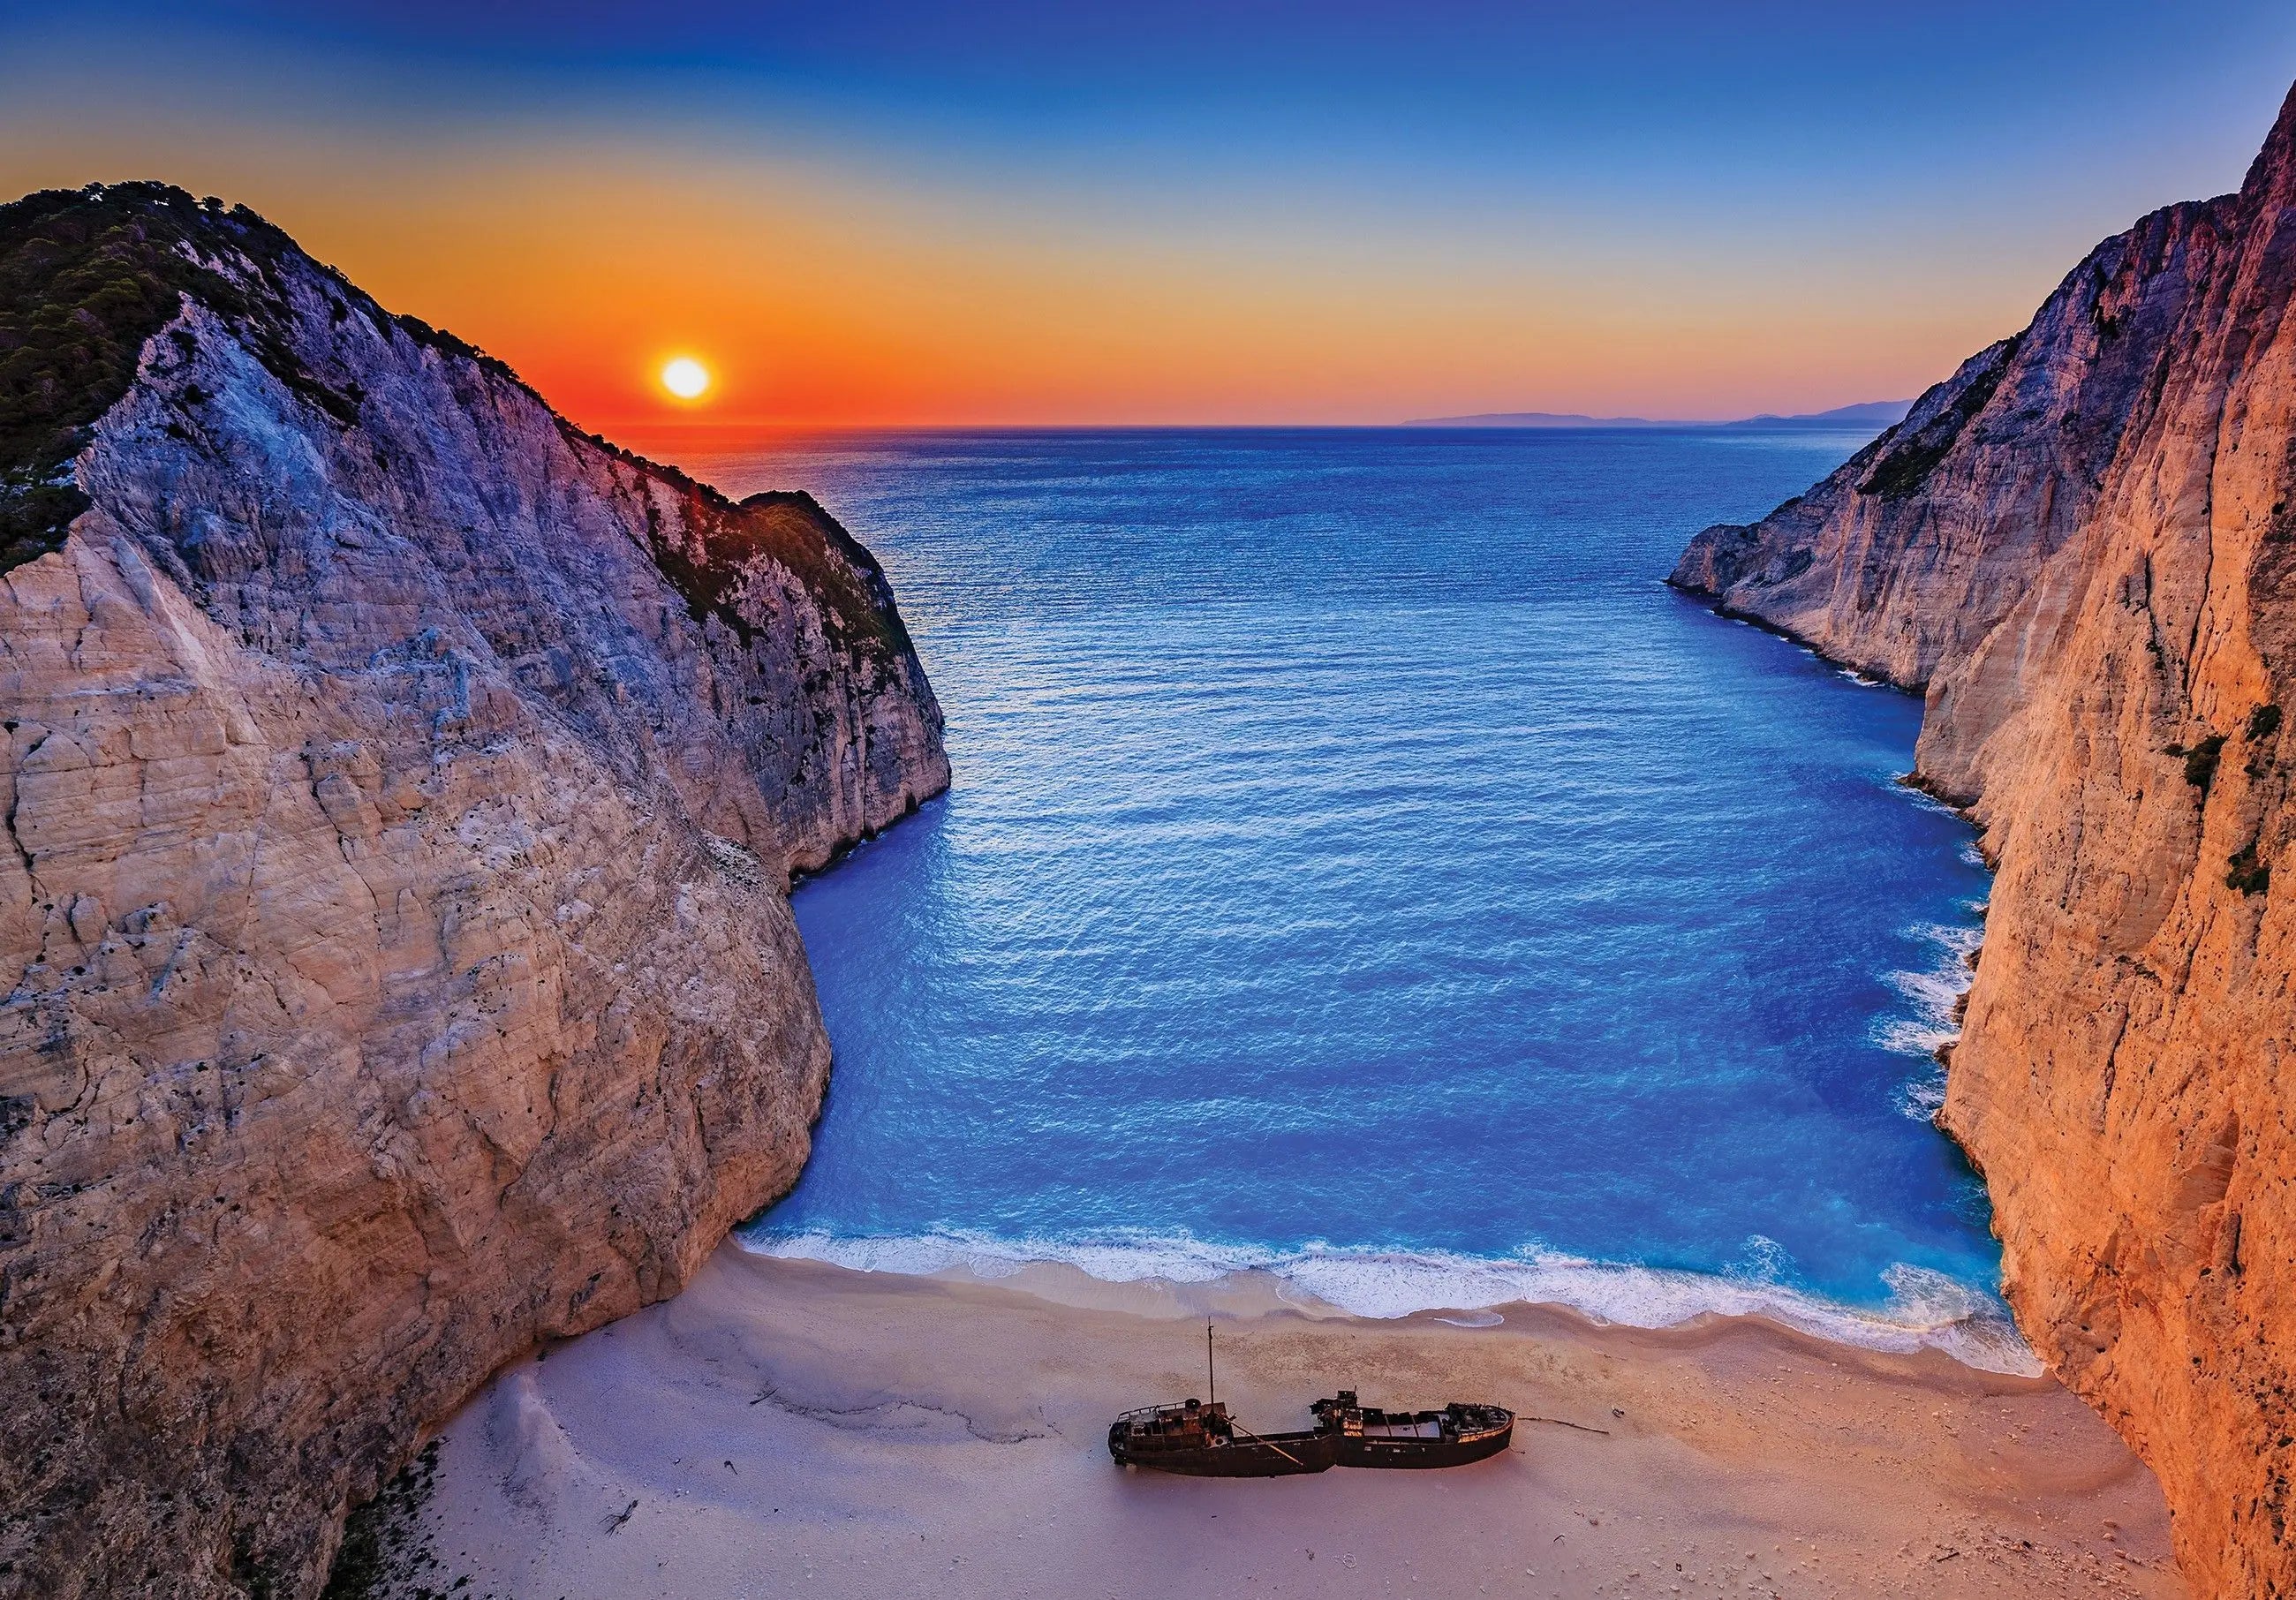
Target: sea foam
[(1925, 1309), (1933, 992)]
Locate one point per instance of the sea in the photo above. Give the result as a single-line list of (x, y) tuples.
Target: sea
[(1362, 870)]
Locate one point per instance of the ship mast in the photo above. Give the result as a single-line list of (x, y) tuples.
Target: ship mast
[(1211, 1379)]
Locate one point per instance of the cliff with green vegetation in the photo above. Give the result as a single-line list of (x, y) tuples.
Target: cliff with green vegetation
[(402, 789), (2082, 549)]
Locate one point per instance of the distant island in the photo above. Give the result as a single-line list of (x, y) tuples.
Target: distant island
[(1870, 414)]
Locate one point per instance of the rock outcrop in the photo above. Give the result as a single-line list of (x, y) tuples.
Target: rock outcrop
[(2082, 548), (402, 789)]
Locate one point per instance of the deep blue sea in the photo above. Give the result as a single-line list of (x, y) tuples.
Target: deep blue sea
[(1360, 866)]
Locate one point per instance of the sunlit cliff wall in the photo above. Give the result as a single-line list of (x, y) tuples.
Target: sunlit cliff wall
[(2083, 548), (401, 793)]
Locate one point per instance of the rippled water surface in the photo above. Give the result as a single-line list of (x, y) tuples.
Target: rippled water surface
[(1360, 866)]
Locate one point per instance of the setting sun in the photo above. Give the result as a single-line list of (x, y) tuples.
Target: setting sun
[(686, 378)]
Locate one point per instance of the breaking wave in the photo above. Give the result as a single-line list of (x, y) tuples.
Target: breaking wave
[(1925, 1309), (1932, 993)]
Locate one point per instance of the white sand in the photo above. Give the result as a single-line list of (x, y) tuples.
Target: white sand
[(787, 1428)]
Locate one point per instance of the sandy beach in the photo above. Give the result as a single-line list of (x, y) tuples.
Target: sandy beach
[(790, 1428)]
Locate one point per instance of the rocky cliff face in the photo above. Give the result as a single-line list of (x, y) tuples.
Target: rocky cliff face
[(2083, 548), (401, 790)]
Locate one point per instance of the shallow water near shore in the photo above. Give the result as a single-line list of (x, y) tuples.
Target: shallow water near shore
[(1362, 870)]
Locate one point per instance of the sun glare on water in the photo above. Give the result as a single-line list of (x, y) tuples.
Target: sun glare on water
[(686, 378)]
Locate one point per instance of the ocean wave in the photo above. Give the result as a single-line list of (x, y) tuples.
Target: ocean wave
[(1934, 994), (1924, 1097), (1926, 1310), (1921, 800)]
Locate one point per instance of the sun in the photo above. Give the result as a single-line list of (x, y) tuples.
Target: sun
[(686, 378)]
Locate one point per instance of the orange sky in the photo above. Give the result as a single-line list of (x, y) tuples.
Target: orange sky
[(816, 299), (901, 267)]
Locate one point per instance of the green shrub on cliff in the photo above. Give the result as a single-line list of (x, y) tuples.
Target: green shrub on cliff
[(2200, 760), (1907, 457), (86, 276), (388, 1552)]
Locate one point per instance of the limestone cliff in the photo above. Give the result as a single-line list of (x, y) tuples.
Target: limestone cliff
[(401, 792), (2083, 548)]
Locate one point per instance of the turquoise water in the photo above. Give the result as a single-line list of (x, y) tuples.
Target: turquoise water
[(1361, 868)]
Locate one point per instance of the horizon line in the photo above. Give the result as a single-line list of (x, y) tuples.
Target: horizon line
[(1470, 423)]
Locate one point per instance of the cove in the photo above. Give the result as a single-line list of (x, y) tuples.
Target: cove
[(1360, 867)]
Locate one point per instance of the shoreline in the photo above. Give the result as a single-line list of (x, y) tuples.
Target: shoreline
[(788, 1425), (1928, 1309)]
